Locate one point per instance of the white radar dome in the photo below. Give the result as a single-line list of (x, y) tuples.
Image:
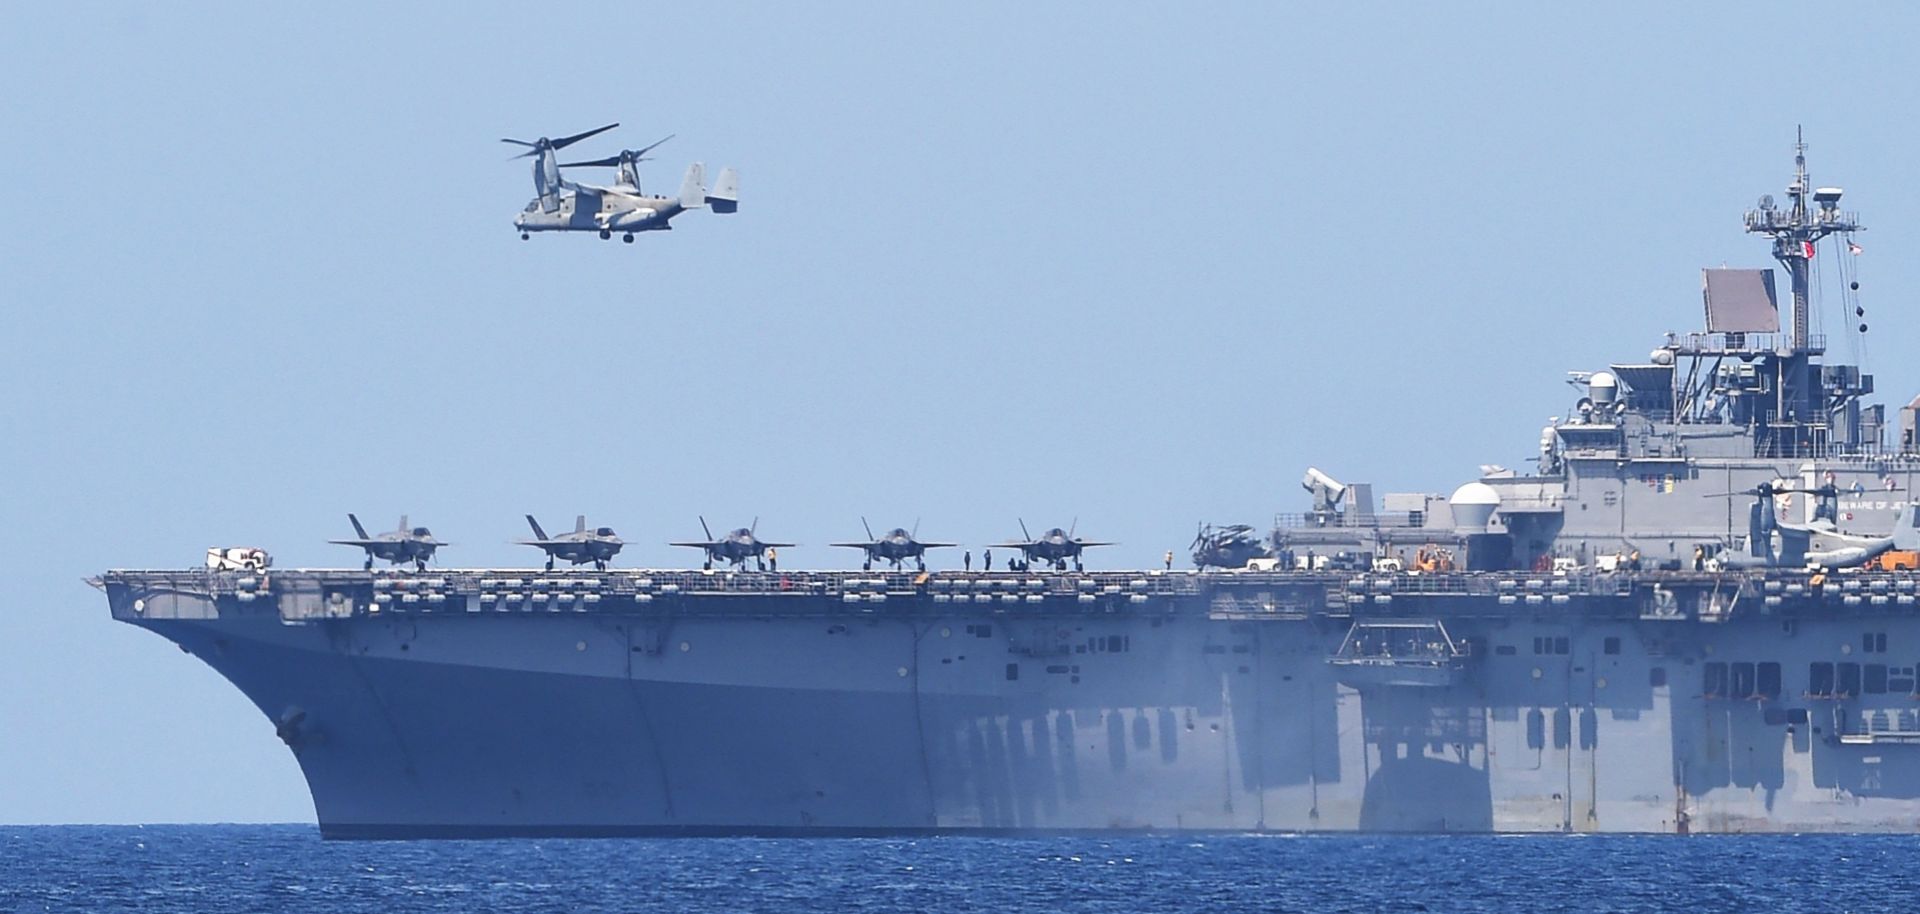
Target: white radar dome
[(1473, 506), (1602, 386)]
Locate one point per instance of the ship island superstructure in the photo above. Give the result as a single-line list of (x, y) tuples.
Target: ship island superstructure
[(1604, 643)]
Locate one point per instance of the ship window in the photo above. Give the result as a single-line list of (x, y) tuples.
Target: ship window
[(1796, 715), (1612, 645), (1900, 680), (1562, 727), (1743, 685), (1505, 650), (1589, 729), (1769, 680), (1536, 729), (1874, 642), (1876, 679), (1562, 645), (1819, 679), (1013, 671), (1849, 679), (1657, 677), (1539, 645), (1716, 684)]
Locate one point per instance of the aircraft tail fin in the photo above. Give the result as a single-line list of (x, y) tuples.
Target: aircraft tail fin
[(725, 195), (358, 530), (693, 190), (538, 533), (1906, 529), (580, 523)]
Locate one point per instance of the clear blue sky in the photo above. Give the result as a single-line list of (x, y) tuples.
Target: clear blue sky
[(1139, 265)]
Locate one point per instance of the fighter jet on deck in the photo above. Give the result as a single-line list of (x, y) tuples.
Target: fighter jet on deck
[(734, 548), (1056, 546), (404, 544), (897, 546), (598, 546)]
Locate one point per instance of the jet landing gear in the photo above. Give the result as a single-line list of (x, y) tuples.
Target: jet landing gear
[(369, 565), (525, 237), (604, 234), (628, 238), (549, 563)]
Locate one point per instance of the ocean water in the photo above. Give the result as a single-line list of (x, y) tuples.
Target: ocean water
[(219, 868)]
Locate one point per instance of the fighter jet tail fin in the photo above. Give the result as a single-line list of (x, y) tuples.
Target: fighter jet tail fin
[(538, 533), (580, 523), (725, 195), (693, 189), (1906, 529), (358, 530)]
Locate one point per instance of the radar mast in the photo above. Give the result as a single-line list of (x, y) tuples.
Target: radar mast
[(1796, 231)]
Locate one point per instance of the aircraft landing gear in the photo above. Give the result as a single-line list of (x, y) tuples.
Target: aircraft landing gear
[(922, 564), (706, 565), (866, 565), (524, 236), (549, 563), (420, 565), (1076, 567), (628, 238), (369, 565), (604, 234), (600, 565)]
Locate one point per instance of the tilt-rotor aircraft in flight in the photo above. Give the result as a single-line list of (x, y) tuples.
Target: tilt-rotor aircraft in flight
[(560, 205)]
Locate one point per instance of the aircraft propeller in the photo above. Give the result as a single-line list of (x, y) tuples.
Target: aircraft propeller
[(626, 156), (545, 145)]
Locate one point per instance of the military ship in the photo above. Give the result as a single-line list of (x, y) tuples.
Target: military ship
[(1690, 616)]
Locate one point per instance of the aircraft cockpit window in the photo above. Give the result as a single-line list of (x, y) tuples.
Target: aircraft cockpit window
[(604, 531)]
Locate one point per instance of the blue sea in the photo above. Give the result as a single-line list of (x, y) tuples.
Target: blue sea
[(287, 868)]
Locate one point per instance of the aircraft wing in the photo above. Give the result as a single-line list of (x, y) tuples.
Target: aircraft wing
[(867, 545), (779, 545), (937, 545), (544, 544), (697, 545), (364, 544), (1083, 544), (1011, 545)]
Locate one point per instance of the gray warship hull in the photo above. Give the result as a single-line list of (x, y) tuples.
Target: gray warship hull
[(481, 703)]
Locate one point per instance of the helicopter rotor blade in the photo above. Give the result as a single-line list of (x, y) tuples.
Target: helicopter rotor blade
[(637, 153), (608, 161), (566, 141)]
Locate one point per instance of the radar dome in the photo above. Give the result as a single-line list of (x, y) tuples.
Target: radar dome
[(1473, 506), (1602, 386), (1662, 357)]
